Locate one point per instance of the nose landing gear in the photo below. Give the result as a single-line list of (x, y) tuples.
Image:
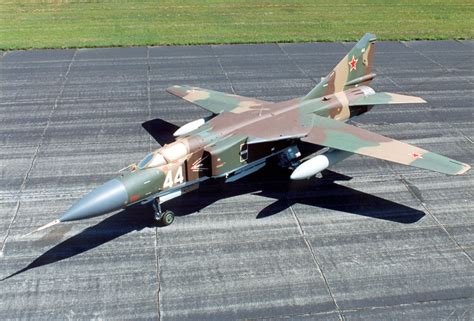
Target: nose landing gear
[(164, 218)]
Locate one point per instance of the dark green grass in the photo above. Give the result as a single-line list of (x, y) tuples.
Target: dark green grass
[(68, 24)]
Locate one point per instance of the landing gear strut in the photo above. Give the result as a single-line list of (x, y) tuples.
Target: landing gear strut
[(164, 218)]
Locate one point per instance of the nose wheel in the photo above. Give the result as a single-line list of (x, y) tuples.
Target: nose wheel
[(164, 218)]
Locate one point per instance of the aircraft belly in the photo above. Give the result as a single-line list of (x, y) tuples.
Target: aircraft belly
[(253, 163)]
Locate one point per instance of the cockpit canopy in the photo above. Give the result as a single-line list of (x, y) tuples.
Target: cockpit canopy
[(152, 160)]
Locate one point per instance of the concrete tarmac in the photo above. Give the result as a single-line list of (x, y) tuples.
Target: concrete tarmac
[(369, 240)]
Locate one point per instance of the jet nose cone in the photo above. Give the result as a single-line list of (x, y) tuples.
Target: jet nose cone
[(106, 198)]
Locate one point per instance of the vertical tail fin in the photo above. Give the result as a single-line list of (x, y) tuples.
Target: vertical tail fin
[(354, 69)]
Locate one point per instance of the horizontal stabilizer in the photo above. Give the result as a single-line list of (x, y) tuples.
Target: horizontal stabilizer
[(384, 98)]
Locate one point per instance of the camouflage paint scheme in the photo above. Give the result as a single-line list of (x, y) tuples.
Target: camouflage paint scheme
[(244, 132), (213, 150)]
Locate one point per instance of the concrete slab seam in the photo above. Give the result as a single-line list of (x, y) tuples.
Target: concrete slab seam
[(400, 87), (296, 64), (148, 91), (424, 56), (292, 316), (380, 73), (405, 304), (403, 90), (158, 278), (462, 43), (316, 262), (425, 207), (465, 136), (401, 305), (35, 155), (223, 71), (157, 261), (389, 78)]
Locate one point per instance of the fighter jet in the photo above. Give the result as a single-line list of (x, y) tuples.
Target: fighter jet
[(244, 134)]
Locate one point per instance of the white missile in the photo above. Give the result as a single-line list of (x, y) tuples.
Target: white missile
[(189, 127), (318, 163)]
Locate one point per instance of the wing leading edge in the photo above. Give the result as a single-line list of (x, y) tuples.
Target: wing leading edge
[(214, 101), (384, 98), (335, 134)]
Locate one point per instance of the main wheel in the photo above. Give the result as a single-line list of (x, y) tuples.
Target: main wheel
[(167, 218)]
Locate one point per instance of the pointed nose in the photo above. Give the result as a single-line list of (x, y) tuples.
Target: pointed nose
[(105, 199)]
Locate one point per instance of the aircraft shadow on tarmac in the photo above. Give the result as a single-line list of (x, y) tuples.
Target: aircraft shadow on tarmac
[(273, 182), (123, 222), (270, 182)]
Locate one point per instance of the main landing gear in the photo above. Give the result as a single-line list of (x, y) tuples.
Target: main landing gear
[(164, 218)]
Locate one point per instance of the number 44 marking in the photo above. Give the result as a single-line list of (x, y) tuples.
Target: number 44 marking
[(178, 178)]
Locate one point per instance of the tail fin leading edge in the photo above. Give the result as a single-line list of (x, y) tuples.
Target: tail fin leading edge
[(354, 69)]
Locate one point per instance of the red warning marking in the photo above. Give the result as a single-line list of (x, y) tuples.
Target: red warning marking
[(134, 198)]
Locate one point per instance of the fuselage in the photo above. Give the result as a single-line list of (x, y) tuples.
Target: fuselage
[(230, 145), (204, 153)]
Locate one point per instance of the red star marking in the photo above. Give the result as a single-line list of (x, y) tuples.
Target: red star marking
[(415, 155), (353, 63)]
